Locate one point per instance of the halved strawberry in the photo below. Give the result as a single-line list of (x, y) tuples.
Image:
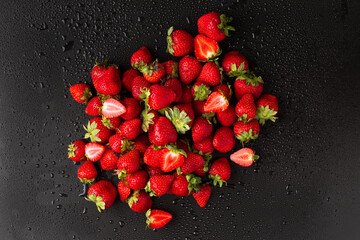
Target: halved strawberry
[(112, 108), (171, 158), (244, 157), (206, 49), (94, 151), (157, 218), (216, 102)]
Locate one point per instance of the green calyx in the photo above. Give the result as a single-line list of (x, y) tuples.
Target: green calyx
[(255, 157), (175, 70), (145, 94), (150, 69), (250, 78), (217, 180), (210, 117), (148, 220), (180, 120), (121, 173), (71, 150), (194, 182), (163, 110), (101, 64), (147, 119), (202, 92), (149, 190), (133, 199), (106, 122), (236, 72), (126, 145), (100, 204), (85, 180), (244, 118), (92, 132), (247, 136), (214, 57), (223, 25), (86, 95), (265, 113), (170, 41), (139, 65)]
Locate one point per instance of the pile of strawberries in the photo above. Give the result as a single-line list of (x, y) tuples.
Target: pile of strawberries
[(157, 125)]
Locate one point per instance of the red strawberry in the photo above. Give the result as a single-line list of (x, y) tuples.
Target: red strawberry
[(164, 132), (247, 131), (225, 89), (216, 102), (198, 107), (152, 156), (246, 108), (159, 185), (210, 74), (205, 145), (224, 140), (171, 69), (200, 91), (157, 218), (192, 162), (137, 180), (131, 128), (111, 123), (96, 131), (141, 143), (140, 201), (244, 84), (93, 106), (206, 49), (154, 171), (103, 193), (228, 117), (244, 157), (133, 108), (175, 85), (106, 79), (203, 170), (154, 72), (112, 108), (120, 144), (140, 58), (128, 78), (214, 25), (94, 151), (159, 96), (203, 195), (189, 69), (124, 190), (234, 64), (186, 96), (220, 171), (87, 172), (181, 117), (138, 84), (183, 144), (183, 185), (149, 118), (267, 108), (76, 151), (108, 160), (180, 42), (201, 129), (128, 163), (171, 158), (81, 92)]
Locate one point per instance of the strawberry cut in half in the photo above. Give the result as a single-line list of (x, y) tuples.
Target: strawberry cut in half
[(94, 151), (244, 157), (216, 102), (206, 49), (112, 108), (157, 218), (171, 158)]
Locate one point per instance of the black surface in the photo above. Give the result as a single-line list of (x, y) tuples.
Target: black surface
[(306, 185)]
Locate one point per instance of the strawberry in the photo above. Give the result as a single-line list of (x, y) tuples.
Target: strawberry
[(186, 96), (246, 108), (192, 162), (214, 25), (189, 69), (189, 111), (137, 180), (228, 117), (106, 79), (152, 156), (81, 92), (108, 160), (154, 72), (120, 144), (247, 131), (220, 171), (234, 64), (111, 123), (94, 151), (175, 85), (206, 49), (200, 91), (210, 74), (198, 107), (76, 151), (128, 163), (216, 102), (138, 84), (140, 58), (248, 83), (93, 106), (128, 78), (159, 96), (183, 144), (133, 108), (181, 117), (225, 89), (204, 169), (157, 218), (244, 157), (141, 143), (112, 108), (180, 42), (224, 140), (171, 69), (103, 194), (164, 132), (124, 191), (202, 196), (154, 171), (267, 108), (87, 172), (131, 128), (183, 185), (96, 131), (171, 158), (201, 129), (159, 185), (140, 201), (204, 145), (149, 118)]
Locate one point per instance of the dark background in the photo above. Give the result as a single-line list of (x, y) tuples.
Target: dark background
[(306, 185)]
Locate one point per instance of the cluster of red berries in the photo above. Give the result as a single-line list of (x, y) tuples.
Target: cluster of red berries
[(153, 127)]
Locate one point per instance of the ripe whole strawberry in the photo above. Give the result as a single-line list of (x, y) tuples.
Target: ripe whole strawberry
[(111, 123), (124, 190), (246, 108), (180, 42), (141, 143), (140, 201), (186, 96), (160, 97), (157, 218), (87, 172), (93, 106), (96, 131), (175, 85), (224, 140), (152, 156), (119, 143), (206, 49), (253, 85), (202, 196), (205, 145), (163, 133), (140, 58), (228, 117), (154, 72), (76, 151), (200, 91), (183, 185), (192, 162), (106, 79), (137, 180), (267, 108), (220, 171), (244, 157), (154, 171), (201, 129), (247, 131), (139, 83), (131, 128), (210, 74), (128, 78), (234, 64), (128, 163), (108, 160), (214, 25), (189, 69), (171, 69), (102, 193), (159, 185), (133, 108), (81, 92)]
